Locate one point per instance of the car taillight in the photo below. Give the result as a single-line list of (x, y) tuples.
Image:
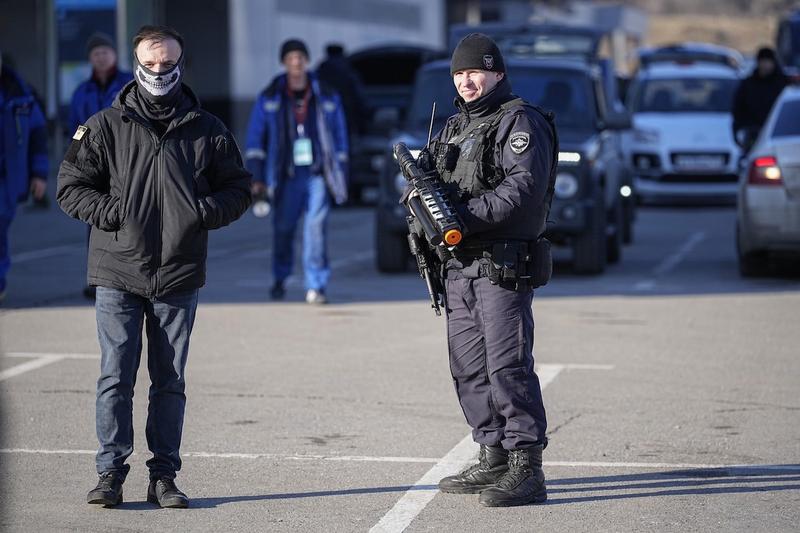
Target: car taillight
[(765, 171)]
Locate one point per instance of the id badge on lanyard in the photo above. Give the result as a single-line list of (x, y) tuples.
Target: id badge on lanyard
[(303, 152)]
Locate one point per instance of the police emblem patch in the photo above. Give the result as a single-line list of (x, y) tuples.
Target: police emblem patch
[(488, 61), (80, 132), (519, 141)]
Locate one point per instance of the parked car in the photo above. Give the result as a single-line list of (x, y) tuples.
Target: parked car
[(690, 53), (586, 212), (387, 74), (768, 210), (681, 147)]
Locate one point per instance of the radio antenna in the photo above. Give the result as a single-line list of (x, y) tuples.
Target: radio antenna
[(430, 128)]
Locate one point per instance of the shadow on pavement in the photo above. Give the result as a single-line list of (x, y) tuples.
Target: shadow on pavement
[(733, 480), (207, 503)]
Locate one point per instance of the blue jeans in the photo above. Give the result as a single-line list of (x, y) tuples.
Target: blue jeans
[(7, 211), (168, 321), (307, 194), (5, 252)]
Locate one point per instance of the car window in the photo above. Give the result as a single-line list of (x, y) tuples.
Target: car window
[(568, 94), (787, 123), (686, 95)]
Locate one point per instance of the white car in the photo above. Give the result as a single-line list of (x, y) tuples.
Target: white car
[(768, 213), (681, 146)]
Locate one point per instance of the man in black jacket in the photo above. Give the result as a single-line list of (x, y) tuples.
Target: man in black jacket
[(151, 175), (755, 97), (498, 154)]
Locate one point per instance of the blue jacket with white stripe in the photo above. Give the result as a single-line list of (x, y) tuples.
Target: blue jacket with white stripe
[(268, 150)]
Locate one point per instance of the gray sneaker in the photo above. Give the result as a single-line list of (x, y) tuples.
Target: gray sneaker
[(316, 297)]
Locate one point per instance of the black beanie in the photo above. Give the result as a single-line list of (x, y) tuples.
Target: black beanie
[(479, 52), (293, 45), (99, 39), (766, 53)]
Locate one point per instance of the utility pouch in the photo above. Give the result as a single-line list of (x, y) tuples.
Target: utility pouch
[(447, 156), (542, 265)]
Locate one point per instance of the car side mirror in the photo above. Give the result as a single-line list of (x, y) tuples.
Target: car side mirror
[(617, 121)]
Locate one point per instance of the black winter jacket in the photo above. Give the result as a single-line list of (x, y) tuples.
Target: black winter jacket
[(150, 200), (755, 97)]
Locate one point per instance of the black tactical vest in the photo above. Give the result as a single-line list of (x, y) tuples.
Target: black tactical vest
[(474, 172)]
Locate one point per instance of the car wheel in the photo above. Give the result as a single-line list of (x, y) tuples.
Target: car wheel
[(628, 205), (614, 240), (589, 249), (393, 252), (753, 264)]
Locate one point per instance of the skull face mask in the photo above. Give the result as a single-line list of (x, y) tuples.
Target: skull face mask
[(159, 87)]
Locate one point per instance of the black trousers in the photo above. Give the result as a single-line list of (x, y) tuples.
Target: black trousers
[(490, 340)]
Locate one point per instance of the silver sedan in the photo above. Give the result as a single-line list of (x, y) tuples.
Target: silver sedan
[(768, 217)]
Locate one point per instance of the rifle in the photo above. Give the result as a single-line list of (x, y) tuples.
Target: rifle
[(432, 222)]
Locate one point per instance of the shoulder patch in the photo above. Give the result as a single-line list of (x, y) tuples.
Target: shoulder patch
[(71, 154), (80, 132), (519, 141)]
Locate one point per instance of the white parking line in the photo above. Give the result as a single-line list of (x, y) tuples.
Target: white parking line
[(421, 460), (33, 255), (39, 360), (416, 499), (30, 365), (671, 261), (297, 281)]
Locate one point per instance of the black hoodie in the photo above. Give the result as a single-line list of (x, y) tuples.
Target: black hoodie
[(151, 198), (755, 97)]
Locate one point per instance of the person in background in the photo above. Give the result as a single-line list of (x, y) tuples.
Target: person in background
[(98, 92), (23, 155), (297, 151), (337, 73), (755, 97)]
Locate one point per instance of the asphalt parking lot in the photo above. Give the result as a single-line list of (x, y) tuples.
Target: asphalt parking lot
[(671, 386)]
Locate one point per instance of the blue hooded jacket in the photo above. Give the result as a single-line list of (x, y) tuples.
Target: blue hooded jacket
[(268, 150), (89, 98), (23, 139)]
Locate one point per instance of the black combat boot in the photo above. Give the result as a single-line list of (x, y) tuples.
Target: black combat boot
[(492, 464), (164, 493), (108, 490), (522, 484)]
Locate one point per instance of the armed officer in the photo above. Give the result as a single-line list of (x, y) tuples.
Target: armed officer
[(498, 154)]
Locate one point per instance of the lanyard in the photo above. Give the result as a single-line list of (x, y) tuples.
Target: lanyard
[(300, 109)]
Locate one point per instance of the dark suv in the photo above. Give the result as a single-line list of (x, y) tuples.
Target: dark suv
[(587, 211)]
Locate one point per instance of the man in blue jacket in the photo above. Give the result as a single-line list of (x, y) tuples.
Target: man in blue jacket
[(297, 152), (23, 155), (98, 92)]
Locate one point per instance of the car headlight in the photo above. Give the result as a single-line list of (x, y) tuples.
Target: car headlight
[(646, 136), (566, 185), (400, 183)]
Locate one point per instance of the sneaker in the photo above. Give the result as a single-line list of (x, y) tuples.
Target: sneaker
[(278, 291), (108, 491), (164, 493), (316, 297)]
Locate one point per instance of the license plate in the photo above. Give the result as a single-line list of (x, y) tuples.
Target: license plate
[(700, 162)]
